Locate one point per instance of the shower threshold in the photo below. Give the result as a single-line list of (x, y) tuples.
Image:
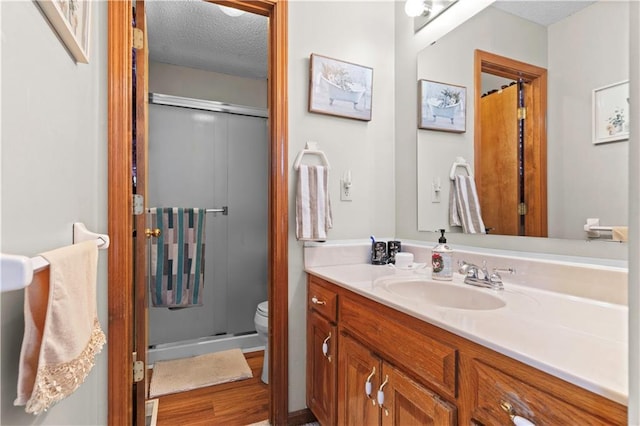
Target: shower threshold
[(247, 342)]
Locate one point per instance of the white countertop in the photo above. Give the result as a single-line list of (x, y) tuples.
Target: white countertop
[(580, 340)]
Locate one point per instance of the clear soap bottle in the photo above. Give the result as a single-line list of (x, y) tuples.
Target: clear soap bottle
[(441, 260)]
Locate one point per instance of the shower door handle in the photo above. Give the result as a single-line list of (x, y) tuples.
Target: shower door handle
[(152, 232)]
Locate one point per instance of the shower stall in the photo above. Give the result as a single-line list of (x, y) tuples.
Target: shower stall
[(212, 155)]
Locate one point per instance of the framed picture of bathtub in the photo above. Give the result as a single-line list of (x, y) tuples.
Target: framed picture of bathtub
[(340, 88), (71, 20), (442, 106), (611, 113)]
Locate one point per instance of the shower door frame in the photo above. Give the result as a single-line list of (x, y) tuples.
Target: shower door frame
[(120, 220)]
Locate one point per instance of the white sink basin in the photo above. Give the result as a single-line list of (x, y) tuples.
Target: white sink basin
[(447, 295)]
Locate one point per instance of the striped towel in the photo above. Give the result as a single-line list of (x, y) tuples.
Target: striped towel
[(177, 257), (313, 207), (464, 207)]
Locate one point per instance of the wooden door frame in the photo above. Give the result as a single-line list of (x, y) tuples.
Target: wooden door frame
[(536, 224), (120, 219)]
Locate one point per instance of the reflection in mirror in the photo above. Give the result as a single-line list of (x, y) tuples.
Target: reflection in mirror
[(582, 51), (510, 137)]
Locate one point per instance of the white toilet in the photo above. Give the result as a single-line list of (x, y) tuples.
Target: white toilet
[(262, 327)]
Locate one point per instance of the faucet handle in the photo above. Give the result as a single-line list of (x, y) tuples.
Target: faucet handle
[(468, 269), (505, 270)]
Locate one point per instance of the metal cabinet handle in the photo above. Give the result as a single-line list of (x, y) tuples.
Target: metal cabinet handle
[(516, 420), (317, 301), (152, 232), (325, 347), (381, 395), (368, 387)]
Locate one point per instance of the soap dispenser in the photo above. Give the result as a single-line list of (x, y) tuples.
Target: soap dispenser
[(441, 260)]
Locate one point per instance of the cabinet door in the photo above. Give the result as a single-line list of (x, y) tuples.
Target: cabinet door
[(321, 368), (409, 403), (533, 395), (357, 366)]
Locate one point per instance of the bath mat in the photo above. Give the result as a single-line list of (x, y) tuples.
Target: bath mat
[(197, 372)]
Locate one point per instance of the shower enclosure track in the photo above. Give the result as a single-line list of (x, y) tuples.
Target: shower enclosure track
[(203, 104)]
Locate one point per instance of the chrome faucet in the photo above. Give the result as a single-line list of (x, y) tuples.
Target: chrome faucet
[(480, 277)]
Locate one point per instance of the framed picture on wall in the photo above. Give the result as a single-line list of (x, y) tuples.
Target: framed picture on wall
[(442, 106), (71, 19), (611, 113), (340, 88)]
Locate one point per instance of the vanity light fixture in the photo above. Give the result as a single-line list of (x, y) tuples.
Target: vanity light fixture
[(230, 11), (415, 8), (424, 11)]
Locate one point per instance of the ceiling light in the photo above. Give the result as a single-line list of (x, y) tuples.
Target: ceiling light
[(414, 8), (231, 11)]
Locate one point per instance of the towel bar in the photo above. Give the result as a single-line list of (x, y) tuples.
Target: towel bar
[(16, 272), (460, 162), (224, 210), (311, 148)]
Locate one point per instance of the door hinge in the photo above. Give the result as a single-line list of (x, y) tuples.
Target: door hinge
[(522, 113), (138, 369), (138, 204), (522, 209), (138, 38)]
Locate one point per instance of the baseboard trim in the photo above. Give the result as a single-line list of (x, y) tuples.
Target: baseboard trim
[(301, 417)]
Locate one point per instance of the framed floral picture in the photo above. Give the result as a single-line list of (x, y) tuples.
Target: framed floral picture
[(442, 106), (611, 113), (340, 88), (71, 19)]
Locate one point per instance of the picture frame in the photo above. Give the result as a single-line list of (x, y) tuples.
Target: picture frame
[(442, 106), (610, 105), (340, 88), (71, 19)]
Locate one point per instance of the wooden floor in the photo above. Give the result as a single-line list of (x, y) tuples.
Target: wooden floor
[(237, 403)]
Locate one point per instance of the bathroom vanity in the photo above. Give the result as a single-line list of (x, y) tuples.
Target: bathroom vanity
[(380, 351)]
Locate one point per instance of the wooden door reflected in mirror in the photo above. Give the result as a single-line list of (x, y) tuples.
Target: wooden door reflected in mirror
[(510, 147)]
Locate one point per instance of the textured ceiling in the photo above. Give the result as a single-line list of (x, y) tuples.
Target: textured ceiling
[(197, 34), (542, 12)]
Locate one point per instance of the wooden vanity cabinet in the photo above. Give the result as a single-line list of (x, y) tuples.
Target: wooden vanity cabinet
[(493, 380), (432, 376), (322, 360), (373, 392)]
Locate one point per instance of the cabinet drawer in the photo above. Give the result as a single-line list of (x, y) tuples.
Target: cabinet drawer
[(493, 387), (425, 357), (321, 299)]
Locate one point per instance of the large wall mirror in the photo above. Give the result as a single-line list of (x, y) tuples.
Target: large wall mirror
[(583, 46)]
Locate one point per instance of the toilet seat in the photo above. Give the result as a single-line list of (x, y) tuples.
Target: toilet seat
[(261, 320), (263, 309)]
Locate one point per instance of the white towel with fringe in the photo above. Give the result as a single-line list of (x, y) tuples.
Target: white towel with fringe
[(313, 207), (464, 206), (62, 334)]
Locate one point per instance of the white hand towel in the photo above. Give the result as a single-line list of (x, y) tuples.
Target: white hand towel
[(313, 207), (62, 334), (464, 206), (620, 233)]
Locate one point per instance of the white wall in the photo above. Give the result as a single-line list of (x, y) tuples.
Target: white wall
[(54, 160), (634, 216), (200, 84), (361, 32)]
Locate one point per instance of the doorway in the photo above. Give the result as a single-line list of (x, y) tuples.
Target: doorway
[(121, 350), (510, 141), (216, 161)]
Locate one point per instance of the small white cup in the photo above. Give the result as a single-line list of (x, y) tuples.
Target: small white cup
[(404, 260)]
